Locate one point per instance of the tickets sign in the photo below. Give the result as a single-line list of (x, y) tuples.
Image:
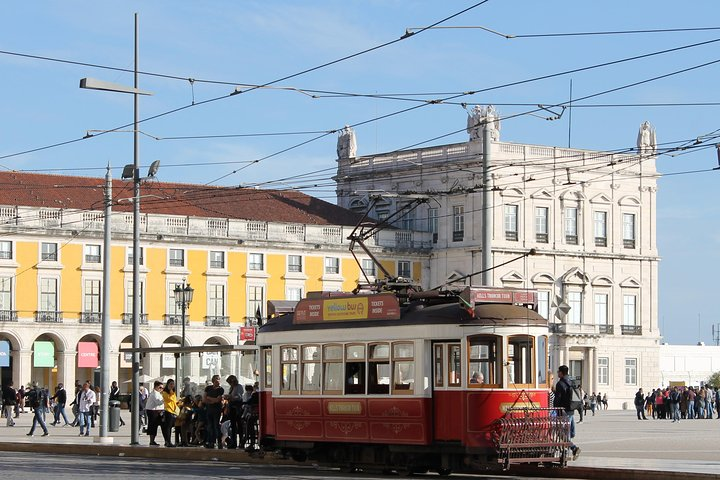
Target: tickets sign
[(382, 306)]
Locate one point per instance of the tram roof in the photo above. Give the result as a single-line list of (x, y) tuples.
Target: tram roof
[(444, 314)]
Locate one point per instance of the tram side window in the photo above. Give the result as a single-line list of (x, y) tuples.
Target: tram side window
[(332, 369), (267, 359), (454, 365), (403, 368), (520, 359), (355, 370), (483, 364), (311, 369), (378, 368), (542, 360), (439, 363), (289, 364)]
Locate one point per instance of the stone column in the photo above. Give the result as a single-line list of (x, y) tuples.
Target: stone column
[(593, 369), (66, 367), (22, 367)]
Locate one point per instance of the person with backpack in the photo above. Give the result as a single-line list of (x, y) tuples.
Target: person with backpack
[(37, 399), (640, 404), (569, 399)]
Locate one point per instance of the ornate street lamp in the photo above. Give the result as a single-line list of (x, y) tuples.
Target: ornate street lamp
[(183, 298)]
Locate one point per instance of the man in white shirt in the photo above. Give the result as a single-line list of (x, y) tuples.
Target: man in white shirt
[(87, 399)]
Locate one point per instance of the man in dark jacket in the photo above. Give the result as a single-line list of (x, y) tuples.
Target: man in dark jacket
[(563, 398), (9, 398), (640, 404), (60, 398)]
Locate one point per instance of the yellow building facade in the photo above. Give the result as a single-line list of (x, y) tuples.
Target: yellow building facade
[(51, 283)]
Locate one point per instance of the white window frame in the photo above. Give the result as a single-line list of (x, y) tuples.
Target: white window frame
[(6, 293), (575, 300), (129, 256), (48, 288), (213, 261), (253, 262), (544, 303), (295, 267), (629, 222), (331, 266), (6, 250), (600, 224), (603, 374), (253, 302), (89, 253), (601, 308), (511, 213), (294, 293), (90, 294), (458, 220), (630, 371), (630, 310), (400, 267), (542, 215), (49, 256), (129, 297), (175, 261), (214, 300), (570, 225)]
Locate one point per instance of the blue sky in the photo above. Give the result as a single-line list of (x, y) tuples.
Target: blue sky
[(255, 42)]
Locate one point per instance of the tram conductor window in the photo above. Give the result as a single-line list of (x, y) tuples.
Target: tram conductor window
[(354, 369), (482, 353)]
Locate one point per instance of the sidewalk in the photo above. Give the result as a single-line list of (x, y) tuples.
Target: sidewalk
[(613, 443)]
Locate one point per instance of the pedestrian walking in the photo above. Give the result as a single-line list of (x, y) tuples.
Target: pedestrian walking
[(563, 398), (86, 400), (60, 399), (36, 401), (9, 398), (640, 404), (154, 408)]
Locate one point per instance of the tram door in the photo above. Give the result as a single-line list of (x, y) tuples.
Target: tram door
[(448, 399)]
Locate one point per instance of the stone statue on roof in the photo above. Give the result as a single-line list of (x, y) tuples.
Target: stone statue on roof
[(646, 142), (346, 144), (478, 117)]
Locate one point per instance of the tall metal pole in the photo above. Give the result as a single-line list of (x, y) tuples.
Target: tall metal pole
[(487, 209), (105, 329), (135, 403)]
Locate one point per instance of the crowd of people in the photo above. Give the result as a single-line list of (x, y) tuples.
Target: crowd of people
[(678, 403), (211, 417)]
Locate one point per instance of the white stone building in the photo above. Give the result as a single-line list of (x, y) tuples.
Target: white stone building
[(589, 215), (688, 364)]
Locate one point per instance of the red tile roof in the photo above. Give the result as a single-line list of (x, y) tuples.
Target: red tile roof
[(86, 193)]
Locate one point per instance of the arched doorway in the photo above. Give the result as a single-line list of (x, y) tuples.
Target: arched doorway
[(124, 371), (9, 345), (47, 355)]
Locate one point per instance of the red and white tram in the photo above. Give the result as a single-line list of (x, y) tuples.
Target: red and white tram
[(444, 383)]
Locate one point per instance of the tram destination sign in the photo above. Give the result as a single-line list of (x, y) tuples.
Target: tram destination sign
[(474, 296), (382, 306)]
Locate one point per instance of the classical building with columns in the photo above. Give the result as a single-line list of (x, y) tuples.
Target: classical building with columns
[(237, 248), (588, 216)]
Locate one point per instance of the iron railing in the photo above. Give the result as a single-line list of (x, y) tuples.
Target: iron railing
[(48, 317)]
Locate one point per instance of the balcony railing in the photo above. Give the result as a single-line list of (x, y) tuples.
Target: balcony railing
[(90, 317), (127, 319), (607, 329), (541, 237), (8, 316), (458, 236), (600, 241), (574, 328), (217, 321), (177, 262), (5, 254), (174, 319), (631, 329), (571, 239), (92, 258), (627, 243), (48, 317), (512, 236)]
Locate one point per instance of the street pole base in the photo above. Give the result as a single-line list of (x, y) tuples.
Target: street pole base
[(103, 440)]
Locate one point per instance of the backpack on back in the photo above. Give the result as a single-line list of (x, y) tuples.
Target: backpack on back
[(33, 398), (576, 397)]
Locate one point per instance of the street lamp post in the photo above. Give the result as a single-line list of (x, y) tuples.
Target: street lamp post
[(183, 298), (94, 84)]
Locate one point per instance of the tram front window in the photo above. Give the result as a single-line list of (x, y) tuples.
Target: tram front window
[(482, 353)]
